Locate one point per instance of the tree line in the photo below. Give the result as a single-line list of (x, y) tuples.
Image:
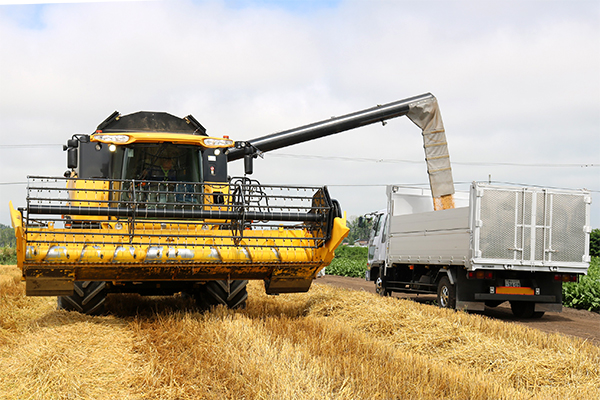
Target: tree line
[(7, 236)]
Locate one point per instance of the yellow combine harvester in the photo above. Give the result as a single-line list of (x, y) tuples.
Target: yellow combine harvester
[(147, 207)]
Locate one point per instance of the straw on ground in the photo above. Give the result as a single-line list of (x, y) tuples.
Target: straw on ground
[(328, 343)]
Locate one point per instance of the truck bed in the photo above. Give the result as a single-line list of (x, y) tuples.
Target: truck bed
[(504, 228)]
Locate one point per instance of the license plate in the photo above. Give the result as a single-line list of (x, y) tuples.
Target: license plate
[(512, 283)]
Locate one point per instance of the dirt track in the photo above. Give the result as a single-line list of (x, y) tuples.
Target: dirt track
[(579, 323)]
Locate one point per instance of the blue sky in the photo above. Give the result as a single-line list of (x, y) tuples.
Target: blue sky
[(517, 83)]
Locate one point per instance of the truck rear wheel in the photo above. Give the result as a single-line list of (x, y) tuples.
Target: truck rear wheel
[(231, 294), (88, 298), (446, 294)]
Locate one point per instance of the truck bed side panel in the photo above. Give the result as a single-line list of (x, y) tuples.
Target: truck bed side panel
[(437, 237)]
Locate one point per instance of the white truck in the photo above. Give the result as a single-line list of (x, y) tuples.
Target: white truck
[(516, 244)]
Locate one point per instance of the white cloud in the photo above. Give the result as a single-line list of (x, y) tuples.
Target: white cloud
[(516, 83)]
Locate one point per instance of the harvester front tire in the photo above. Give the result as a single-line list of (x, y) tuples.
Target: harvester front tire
[(88, 298), (231, 294)]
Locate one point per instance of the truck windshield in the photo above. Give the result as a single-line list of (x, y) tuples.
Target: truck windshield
[(161, 162)]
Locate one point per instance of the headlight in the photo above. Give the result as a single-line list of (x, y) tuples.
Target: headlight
[(211, 142), (112, 138)]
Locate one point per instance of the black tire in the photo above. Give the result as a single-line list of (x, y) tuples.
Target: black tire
[(525, 309), (380, 284), (446, 294), (231, 294), (88, 298)]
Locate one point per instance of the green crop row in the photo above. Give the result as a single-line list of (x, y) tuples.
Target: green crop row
[(347, 267), (349, 261), (584, 294)]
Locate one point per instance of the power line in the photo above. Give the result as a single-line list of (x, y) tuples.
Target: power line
[(396, 161), (376, 160), (24, 146)]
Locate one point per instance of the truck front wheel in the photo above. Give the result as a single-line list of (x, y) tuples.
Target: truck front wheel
[(446, 294), (88, 298), (380, 284)]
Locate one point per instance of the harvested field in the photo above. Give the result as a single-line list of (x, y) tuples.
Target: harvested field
[(329, 343)]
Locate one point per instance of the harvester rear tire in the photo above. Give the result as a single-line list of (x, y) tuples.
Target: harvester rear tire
[(88, 298), (231, 294)]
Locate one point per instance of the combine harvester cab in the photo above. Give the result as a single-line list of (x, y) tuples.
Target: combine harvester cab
[(147, 207)]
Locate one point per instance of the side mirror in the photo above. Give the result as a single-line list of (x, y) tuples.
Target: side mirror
[(72, 158), (248, 168)]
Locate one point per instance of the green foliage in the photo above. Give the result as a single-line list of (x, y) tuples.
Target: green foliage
[(7, 236), (360, 229), (356, 253), (349, 261), (595, 243), (584, 294), (8, 256)]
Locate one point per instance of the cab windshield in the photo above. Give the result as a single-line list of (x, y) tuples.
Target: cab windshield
[(160, 162)]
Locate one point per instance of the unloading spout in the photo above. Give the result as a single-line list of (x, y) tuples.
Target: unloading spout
[(423, 110)]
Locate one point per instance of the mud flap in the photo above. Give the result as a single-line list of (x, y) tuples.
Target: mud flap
[(464, 291)]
